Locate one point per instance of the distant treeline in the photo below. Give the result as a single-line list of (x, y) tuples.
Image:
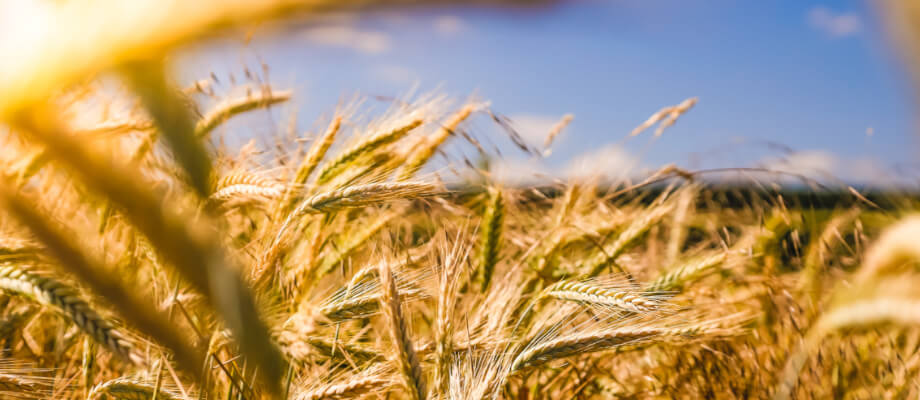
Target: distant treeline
[(745, 196)]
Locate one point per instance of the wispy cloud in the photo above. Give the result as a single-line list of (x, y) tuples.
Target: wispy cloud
[(449, 25), (842, 24), (348, 36)]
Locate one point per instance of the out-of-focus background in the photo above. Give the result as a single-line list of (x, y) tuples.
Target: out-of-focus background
[(811, 87)]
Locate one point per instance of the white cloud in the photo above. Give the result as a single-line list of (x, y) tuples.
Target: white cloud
[(449, 25), (611, 162), (517, 172), (533, 128), (830, 168), (814, 162), (835, 24), (348, 36)]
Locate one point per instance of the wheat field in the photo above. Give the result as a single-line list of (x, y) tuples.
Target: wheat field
[(143, 258)]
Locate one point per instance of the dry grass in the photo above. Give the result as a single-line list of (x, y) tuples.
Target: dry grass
[(269, 280)]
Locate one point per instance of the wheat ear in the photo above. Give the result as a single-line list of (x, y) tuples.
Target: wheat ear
[(625, 298), (227, 109), (318, 151), (444, 328), (676, 278), (544, 351), (667, 116), (404, 356), (371, 143), (130, 389), (555, 131), (490, 236), (430, 144), (17, 386), (68, 302), (364, 195), (351, 389), (244, 193)]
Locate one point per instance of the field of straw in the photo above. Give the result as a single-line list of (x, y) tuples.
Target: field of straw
[(141, 258)]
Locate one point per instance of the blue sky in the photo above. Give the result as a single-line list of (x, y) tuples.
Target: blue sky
[(815, 76)]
